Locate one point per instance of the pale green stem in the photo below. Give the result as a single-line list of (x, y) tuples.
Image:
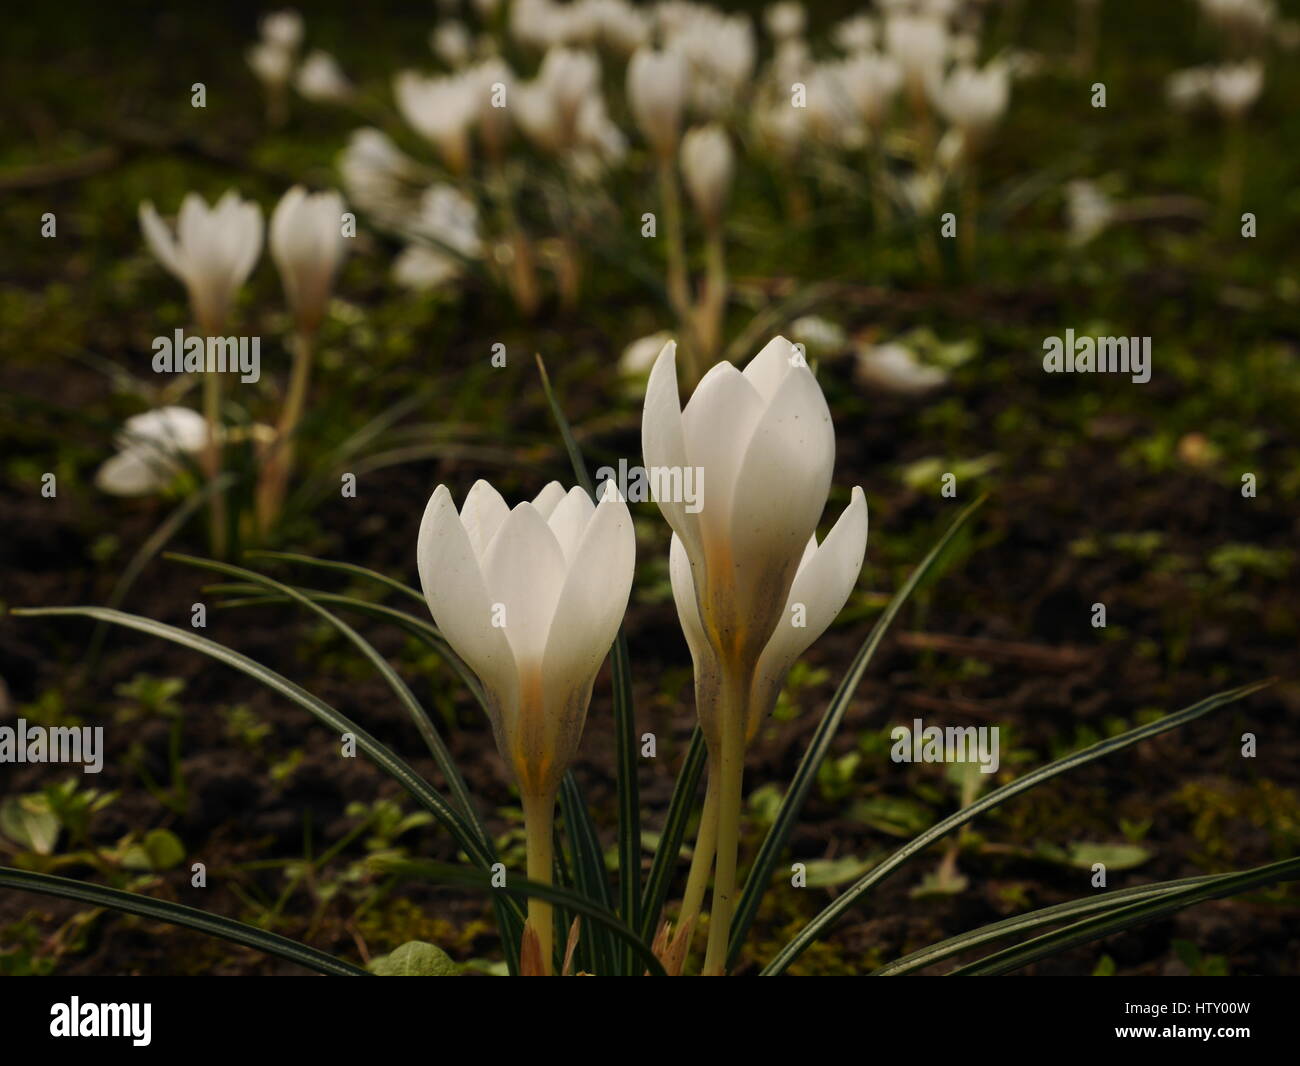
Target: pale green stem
[(212, 387), (679, 293), (735, 693), (275, 477), (539, 829), (714, 302), (706, 839)]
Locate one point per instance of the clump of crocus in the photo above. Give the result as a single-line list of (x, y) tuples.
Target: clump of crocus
[(152, 449), (213, 251), (272, 60), (531, 598), (307, 244), (764, 442)]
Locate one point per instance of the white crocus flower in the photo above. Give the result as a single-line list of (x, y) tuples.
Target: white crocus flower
[(785, 20), (1089, 211), (920, 45), (895, 368), (1234, 87), (283, 29), (213, 251), (151, 447), (870, 81), (306, 241), (707, 165), (531, 599), (272, 64), (763, 441), (639, 356), (450, 42), (320, 80), (449, 220), (656, 93), (855, 35), (973, 100), (1186, 88), (440, 109), (822, 584)]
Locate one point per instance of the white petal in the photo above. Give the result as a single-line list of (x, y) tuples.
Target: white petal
[(160, 239), (823, 584), (569, 521), (134, 472), (769, 367), (458, 600), (546, 500), (482, 514), (663, 442), (524, 570)]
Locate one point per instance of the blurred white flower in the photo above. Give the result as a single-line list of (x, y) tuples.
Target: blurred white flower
[(973, 100), (1088, 211), (919, 43), (1234, 87), (639, 357), (376, 172), (1186, 88), (895, 368), (656, 94), (307, 245), (855, 34), (785, 20), (870, 81), (707, 165), (283, 29), (320, 79), (151, 450), (213, 251), (819, 336), (272, 64), (720, 51), (450, 42), (442, 110), (449, 219)]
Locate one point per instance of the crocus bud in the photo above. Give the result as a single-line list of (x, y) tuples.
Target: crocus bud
[(920, 45), (763, 443), (213, 252), (707, 162), (656, 93), (320, 80), (283, 29), (826, 575), (307, 246), (531, 599), (441, 110)]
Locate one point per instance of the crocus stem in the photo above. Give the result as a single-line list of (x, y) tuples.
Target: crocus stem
[(539, 817), (702, 858), (275, 476), (714, 298), (679, 293), (212, 452), (968, 227), (735, 685)]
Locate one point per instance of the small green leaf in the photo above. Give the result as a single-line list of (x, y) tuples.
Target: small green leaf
[(28, 820), (1084, 855), (415, 958), (827, 873), (897, 816)]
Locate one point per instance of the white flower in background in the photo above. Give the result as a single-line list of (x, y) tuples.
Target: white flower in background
[(1235, 86), (895, 368), (550, 109), (1253, 16), (1186, 88), (601, 142), (320, 79), (440, 109), (376, 173), (707, 165), (973, 100), (450, 42), (720, 51), (782, 128), (919, 43), (792, 61), (572, 77), (825, 578), (272, 64), (531, 598), (819, 336), (1088, 211), (656, 94), (764, 442), (785, 20), (213, 251), (449, 219), (151, 451), (870, 81), (855, 35), (639, 357), (964, 48), (283, 29), (307, 245), (494, 123), (621, 26), (832, 117), (921, 190)]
